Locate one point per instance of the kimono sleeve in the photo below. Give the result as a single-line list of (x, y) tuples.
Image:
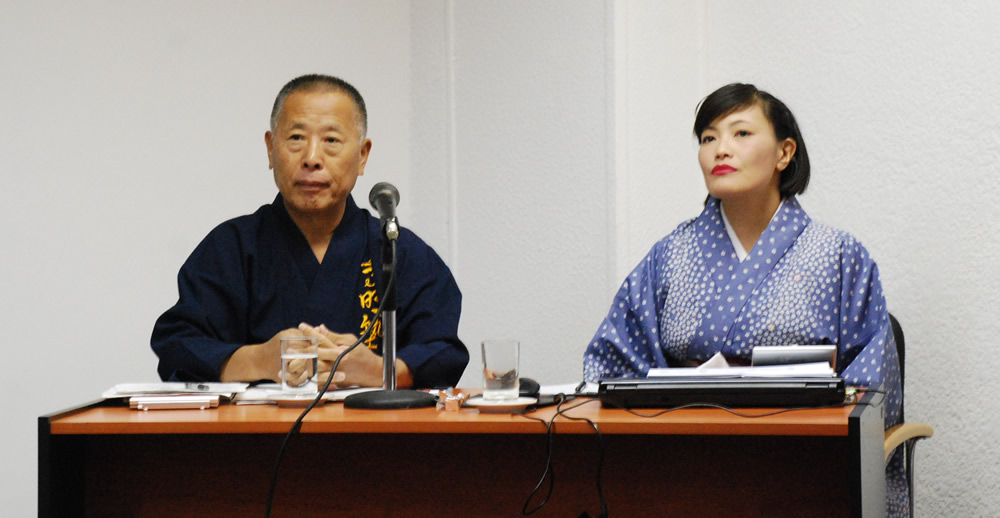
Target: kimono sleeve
[(867, 346), (627, 343), (208, 323)]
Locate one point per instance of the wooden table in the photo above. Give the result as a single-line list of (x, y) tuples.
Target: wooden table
[(106, 460)]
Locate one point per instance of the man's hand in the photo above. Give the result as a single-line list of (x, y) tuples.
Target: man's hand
[(360, 367), (254, 362)]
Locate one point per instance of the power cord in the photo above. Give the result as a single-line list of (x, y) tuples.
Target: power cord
[(748, 415), (322, 392), (600, 461), (561, 399), (549, 472)]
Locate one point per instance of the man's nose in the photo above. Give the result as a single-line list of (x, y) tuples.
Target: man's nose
[(312, 159)]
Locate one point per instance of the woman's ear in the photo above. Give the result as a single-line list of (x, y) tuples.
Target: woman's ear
[(786, 151)]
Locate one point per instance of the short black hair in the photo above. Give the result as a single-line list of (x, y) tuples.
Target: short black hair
[(319, 82), (738, 96)]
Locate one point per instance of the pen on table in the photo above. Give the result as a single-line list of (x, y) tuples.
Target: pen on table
[(197, 386), (580, 387)]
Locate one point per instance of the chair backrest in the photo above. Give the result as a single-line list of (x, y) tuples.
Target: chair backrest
[(897, 332)]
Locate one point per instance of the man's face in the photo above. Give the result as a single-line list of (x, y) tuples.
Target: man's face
[(317, 152)]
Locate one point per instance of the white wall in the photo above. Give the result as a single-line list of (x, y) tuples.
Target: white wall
[(130, 130), (541, 147), (511, 119)]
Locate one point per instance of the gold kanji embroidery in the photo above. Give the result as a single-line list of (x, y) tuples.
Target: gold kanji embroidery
[(369, 301), (367, 298)]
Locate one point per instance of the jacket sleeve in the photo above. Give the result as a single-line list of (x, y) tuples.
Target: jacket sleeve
[(430, 305), (208, 323)]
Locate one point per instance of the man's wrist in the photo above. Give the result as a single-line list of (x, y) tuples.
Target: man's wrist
[(404, 376), (248, 363)]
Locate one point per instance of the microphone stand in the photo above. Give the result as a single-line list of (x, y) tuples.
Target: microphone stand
[(389, 397)]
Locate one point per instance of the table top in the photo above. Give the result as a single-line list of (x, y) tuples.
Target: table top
[(334, 418)]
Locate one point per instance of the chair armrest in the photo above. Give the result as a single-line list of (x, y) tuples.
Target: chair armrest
[(904, 432)]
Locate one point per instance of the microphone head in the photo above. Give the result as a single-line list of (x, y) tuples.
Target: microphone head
[(383, 189)]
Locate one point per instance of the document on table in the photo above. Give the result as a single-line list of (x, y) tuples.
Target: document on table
[(174, 387), (174, 394), (798, 370), (264, 393)]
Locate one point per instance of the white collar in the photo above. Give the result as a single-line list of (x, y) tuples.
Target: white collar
[(741, 254)]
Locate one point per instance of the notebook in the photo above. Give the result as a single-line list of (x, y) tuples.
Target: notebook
[(737, 391)]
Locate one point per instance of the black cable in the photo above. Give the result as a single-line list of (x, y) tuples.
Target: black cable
[(604, 509), (724, 408), (602, 449), (745, 415), (322, 392), (549, 472)]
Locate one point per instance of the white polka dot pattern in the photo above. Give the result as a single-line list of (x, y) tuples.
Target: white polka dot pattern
[(801, 283)]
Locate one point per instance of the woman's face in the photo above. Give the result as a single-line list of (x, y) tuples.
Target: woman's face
[(741, 157)]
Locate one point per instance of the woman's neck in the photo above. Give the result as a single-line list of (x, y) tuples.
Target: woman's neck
[(749, 217)]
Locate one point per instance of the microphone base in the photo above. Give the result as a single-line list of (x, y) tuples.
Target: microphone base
[(390, 400)]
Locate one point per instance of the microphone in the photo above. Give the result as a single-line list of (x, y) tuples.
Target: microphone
[(384, 197)]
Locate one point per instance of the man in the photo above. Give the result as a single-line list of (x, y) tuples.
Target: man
[(310, 263)]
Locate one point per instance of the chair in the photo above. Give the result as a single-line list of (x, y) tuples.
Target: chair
[(905, 434)]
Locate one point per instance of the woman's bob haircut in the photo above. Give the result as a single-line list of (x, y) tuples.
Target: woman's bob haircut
[(737, 96)]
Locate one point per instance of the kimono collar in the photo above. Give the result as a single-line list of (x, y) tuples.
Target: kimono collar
[(351, 213), (741, 253), (724, 266), (351, 230)]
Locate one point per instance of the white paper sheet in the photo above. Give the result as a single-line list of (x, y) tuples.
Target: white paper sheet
[(174, 387), (799, 370)]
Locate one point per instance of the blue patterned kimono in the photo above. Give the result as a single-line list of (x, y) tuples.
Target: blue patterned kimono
[(801, 283)]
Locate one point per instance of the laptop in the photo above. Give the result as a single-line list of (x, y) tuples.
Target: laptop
[(667, 392)]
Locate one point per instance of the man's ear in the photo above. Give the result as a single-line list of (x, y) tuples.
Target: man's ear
[(267, 142), (366, 148)]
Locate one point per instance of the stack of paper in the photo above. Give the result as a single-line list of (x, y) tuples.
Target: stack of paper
[(270, 393), (799, 370), (174, 387), (717, 367), (174, 395)]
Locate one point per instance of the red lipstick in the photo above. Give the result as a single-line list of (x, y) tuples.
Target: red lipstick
[(722, 169)]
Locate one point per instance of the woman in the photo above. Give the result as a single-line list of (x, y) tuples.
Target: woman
[(753, 269)]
